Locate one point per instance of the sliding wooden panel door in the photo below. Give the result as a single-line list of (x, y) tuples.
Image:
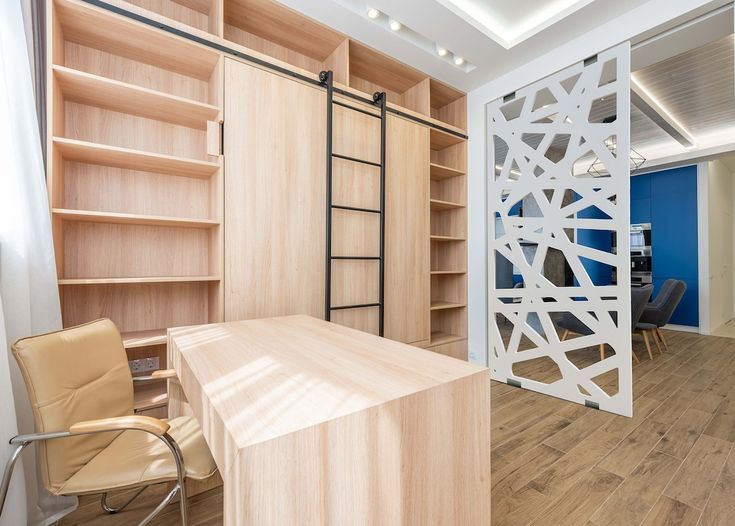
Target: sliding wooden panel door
[(407, 265), (274, 143)]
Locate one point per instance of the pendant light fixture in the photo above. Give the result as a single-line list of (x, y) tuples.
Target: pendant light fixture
[(598, 168)]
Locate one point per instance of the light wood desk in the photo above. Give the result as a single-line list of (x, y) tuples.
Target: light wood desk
[(314, 423)]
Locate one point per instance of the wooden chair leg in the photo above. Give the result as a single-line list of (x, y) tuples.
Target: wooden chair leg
[(635, 357), (655, 340), (602, 351), (661, 337), (564, 335), (648, 344)]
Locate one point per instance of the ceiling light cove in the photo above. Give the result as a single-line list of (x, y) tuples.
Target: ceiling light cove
[(509, 22), (385, 21)]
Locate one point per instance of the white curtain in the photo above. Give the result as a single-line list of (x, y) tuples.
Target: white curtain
[(28, 292)]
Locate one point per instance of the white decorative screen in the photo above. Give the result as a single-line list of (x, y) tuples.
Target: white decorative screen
[(553, 221)]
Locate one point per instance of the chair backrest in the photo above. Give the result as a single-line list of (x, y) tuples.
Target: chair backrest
[(664, 293), (639, 296), (672, 300), (76, 374)]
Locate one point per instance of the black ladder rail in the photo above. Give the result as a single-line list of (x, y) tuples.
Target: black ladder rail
[(380, 100)]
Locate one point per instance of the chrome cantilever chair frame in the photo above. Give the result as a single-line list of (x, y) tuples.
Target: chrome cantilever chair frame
[(21, 441)]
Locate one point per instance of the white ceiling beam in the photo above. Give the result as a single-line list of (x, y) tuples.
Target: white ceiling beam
[(687, 158), (652, 109)]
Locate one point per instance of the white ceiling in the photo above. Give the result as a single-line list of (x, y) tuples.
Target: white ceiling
[(504, 34), (510, 22)]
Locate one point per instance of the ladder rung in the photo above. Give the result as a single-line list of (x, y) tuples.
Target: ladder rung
[(362, 306), (353, 108), (356, 209), (347, 158), (358, 258)]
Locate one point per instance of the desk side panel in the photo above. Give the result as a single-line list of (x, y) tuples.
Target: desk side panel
[(421, 459)]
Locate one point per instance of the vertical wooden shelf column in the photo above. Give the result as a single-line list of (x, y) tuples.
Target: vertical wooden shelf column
[(448, 201), (135, 176)]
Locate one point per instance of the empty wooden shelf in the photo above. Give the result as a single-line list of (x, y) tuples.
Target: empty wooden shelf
[(131, 219), (441, 139), (86, 25), (102, 154), (132, 280), (442, 338), (150, 395), (94, 90), (440, 205), (441, 305), (135, 339), (446, 238), (440, 172)]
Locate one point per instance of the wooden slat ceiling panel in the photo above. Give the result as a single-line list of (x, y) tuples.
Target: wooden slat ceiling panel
[(696, 87)]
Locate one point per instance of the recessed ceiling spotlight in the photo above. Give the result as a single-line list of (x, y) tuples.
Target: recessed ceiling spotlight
[(395, 25), (373, 13), (459, 61), (441, 51)]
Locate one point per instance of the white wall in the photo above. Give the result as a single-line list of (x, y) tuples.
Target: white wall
[(644, 18), (720, 244)]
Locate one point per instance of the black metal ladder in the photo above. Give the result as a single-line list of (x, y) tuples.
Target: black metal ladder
[(379, 100)]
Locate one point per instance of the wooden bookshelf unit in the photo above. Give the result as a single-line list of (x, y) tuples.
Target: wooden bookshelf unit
[(136, 172)]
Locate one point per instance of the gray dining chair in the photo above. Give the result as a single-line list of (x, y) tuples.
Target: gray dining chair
[(639, 296), (658, 313)]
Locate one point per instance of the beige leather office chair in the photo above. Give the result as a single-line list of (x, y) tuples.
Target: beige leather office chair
[(89, 440)]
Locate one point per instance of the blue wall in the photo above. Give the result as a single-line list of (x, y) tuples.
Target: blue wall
[(599, 273), (668, 200)]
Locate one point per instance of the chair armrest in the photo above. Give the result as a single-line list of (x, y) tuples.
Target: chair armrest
[(156, 375), (142, 423), (164, 373)]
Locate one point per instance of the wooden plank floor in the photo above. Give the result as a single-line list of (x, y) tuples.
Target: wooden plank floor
[(557, 463)]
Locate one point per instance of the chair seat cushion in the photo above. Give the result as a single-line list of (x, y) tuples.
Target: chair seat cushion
[(571, 323), (136, 458), (643, 326)]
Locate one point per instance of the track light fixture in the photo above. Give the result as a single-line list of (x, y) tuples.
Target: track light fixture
[(395, 25), (373, 13)]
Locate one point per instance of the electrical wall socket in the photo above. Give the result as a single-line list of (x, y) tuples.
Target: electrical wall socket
[(143, 365)]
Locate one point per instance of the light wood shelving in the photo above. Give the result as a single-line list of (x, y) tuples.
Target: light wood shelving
[(443, 338), (121, 183), (448, 228), (150, 395), (131, 219), (441, 139), (129, 159), (442, 238), (440, 172), (134, 178), (440, 205), (146, 279), (94, 90), (441, 305), (135, 339)]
